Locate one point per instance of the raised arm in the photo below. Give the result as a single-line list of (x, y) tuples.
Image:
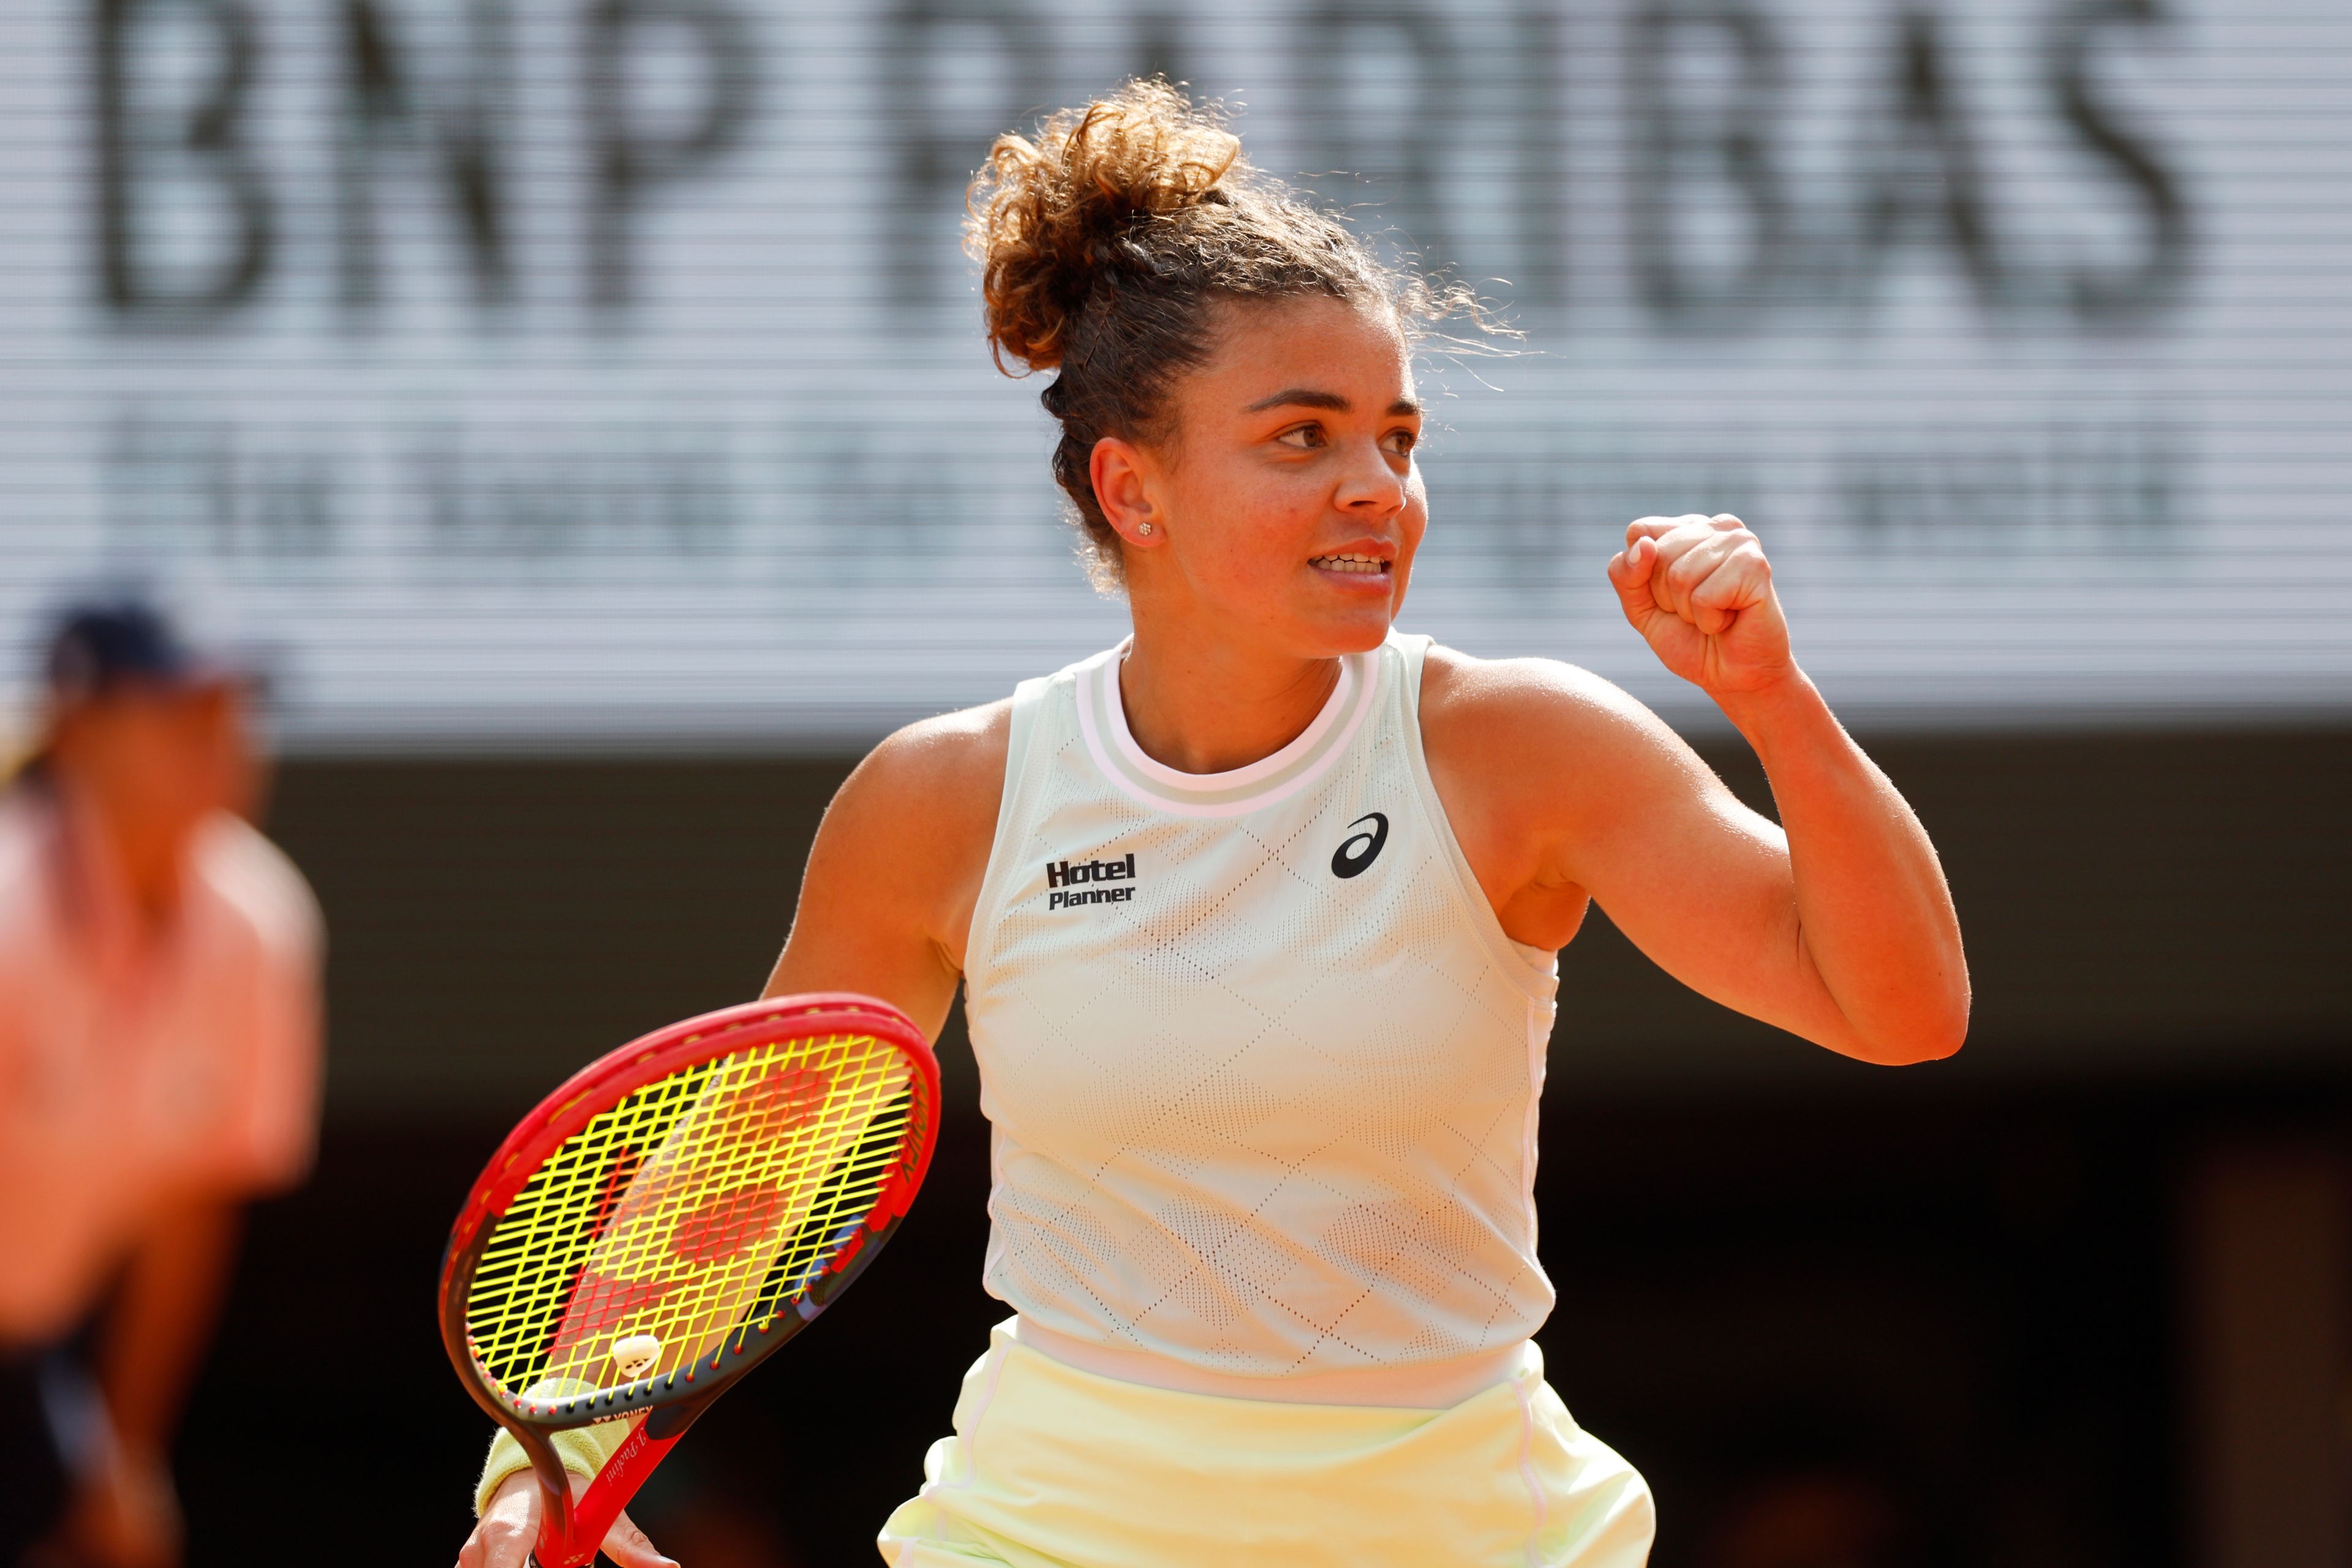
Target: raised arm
[(1835, 924)]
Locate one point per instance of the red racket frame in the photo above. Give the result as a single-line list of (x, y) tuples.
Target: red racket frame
[(569, 1535)]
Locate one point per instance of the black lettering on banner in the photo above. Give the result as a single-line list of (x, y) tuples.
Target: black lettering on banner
[(628, 160), (585, 489), (1393, 140), (942, 136), (1690, 149), (206, 147), (196, 485), (2104, 481), (1540, 268), (1924, 166), (383, 95), (2156, 278)]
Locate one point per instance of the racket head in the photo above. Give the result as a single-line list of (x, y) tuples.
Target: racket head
[(674, 1213)]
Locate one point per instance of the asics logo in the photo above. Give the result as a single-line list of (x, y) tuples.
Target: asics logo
[(1359, 850)]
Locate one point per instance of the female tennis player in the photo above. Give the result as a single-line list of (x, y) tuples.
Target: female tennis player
[(1256, 917)]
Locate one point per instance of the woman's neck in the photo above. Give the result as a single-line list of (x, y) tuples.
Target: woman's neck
[(1211, 708)]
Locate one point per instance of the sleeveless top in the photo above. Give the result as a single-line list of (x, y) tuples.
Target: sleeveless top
[(1261, 1065)]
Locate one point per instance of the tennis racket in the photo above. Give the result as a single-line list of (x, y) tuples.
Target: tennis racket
[(670, 1217)]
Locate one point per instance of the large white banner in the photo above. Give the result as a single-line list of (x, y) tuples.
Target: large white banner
[(562, 372)]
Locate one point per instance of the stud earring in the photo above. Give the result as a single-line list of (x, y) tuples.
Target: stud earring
[(1143, 527)]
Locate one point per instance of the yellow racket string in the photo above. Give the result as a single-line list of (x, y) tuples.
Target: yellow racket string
[(699, 1206)]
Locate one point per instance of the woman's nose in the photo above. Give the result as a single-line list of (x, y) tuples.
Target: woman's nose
[(1370, 483)]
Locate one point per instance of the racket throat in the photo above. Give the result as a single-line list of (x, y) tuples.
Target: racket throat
[(570, 1532)]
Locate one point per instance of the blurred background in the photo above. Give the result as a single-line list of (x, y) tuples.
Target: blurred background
[(579, 408)]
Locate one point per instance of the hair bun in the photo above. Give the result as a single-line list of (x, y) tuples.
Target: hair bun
[(1050, 218)]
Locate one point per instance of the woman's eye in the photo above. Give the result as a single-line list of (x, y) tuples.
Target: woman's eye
[(1400, 443), (1304, 436)]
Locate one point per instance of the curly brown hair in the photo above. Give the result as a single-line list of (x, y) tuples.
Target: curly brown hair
[(1103, 243)]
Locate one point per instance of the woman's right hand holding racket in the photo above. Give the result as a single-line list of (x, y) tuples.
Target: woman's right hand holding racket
[(661, 1224), (509, 1525)]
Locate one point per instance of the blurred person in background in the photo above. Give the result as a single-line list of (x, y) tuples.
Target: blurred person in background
[(159, 1067)]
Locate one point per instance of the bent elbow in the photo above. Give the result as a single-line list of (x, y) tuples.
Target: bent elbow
[(1933, 1039), (1938, 1046)]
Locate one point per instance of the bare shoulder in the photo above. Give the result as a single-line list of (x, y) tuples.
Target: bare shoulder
[(959, 754), (1536, 761), (256, 881), (900, 857), (1502, 715), (938, 779)]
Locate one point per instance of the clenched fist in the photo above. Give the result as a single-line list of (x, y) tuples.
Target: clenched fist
[(1699, 591)]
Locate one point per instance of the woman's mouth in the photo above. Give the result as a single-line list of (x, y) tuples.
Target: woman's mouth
[(1364, 565)]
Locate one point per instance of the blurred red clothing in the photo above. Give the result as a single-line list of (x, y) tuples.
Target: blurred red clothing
[(140, 1067)]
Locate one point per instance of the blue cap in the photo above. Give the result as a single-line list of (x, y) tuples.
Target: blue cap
[(101, 646)]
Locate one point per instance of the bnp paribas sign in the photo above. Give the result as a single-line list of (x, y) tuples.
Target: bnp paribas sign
[(537, 372)]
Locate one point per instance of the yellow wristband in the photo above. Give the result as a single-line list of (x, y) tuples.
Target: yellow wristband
[(583, 1450)]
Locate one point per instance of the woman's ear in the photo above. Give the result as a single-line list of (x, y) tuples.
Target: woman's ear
[(1126, 481)]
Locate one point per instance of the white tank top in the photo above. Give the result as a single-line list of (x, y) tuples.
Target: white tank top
[(1260, 1063)]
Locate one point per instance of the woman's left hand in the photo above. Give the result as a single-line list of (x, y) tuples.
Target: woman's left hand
[(1699, 591)]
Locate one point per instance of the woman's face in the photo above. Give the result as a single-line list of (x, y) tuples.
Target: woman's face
[(158, 760), (1287, 506)]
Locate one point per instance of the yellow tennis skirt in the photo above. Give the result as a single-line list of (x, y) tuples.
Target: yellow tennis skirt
[(1054, 1468)]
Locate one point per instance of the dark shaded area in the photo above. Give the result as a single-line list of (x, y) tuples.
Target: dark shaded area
[(1918, 1318), (1959, 1316), (494, 925)]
